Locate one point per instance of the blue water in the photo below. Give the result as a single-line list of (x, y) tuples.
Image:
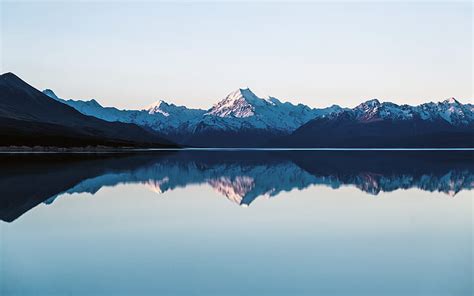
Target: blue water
[(237, 224)]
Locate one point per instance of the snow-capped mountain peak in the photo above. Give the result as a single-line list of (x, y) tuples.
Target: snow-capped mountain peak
[(242, 112), (453, 111), (240, 104), (451, 101), (159, 106), (368, 110), (158, 103), (450, 110), (242, 109), (241, 94), (370, 104)]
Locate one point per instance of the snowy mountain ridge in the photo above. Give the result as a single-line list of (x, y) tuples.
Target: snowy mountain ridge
[(240, 109), (243, 111), (449, 110)]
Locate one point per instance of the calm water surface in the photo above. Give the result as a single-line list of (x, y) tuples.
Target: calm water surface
[(237, 223)]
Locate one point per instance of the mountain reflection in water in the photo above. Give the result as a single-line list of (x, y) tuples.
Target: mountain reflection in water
[(241, 176)]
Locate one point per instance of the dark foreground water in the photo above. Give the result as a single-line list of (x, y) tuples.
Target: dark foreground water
[(237, 223)]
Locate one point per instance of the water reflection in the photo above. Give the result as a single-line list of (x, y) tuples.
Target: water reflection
[(27, 180)]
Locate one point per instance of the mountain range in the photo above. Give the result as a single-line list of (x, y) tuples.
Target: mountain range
[(373, 124), (241, 119), (30, 118)]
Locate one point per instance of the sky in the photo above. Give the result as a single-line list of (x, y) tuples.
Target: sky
[(130, 54)]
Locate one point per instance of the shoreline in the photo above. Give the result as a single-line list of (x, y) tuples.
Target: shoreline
[(106, 149)]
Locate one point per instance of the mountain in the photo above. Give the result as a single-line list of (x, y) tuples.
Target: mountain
[(240, 119), (374, 124), (29, 117), (161, 117), (243, 109), (449, 110)]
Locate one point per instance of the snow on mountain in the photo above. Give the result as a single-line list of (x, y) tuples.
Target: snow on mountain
[(374, 110), (158, 107), (240, 104), (242, 110), (449, 110), (160, 116)]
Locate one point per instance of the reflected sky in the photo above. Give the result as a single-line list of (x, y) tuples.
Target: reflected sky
[(187, 237), (240, 176)]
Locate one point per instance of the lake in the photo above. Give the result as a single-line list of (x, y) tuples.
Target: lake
[(237, 223)]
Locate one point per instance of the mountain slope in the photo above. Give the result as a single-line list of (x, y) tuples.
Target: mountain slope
[(243, 109), (375, 124), (242, 119), (29, 117), (161, 117)]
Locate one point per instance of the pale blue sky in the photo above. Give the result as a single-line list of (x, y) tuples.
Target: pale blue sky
[(131, 54)]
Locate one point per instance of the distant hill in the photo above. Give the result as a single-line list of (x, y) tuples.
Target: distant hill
[(29, 117)]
